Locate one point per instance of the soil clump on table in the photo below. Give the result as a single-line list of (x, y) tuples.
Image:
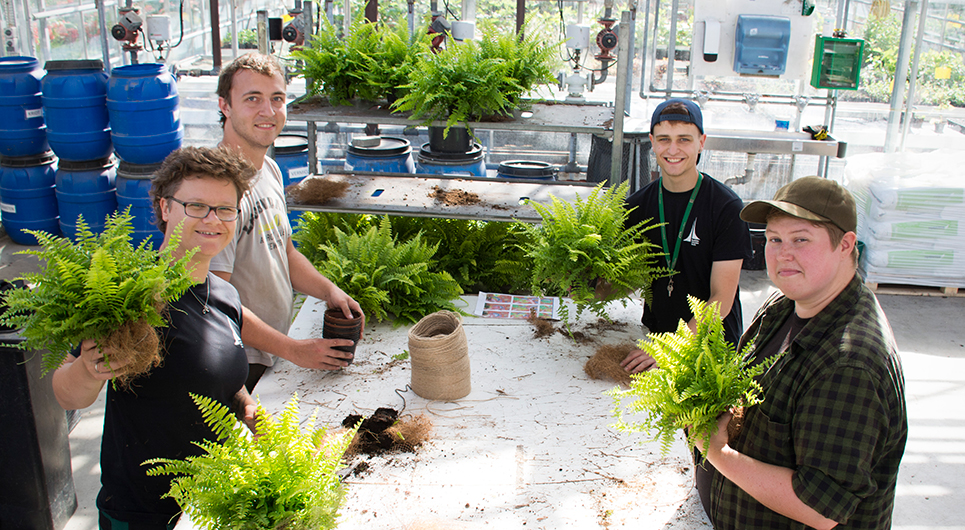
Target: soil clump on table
[(605, 363), (316, 191), (454, 197), (384, 432)]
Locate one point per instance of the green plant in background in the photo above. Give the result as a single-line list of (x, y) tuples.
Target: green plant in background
[(247, 39), (370, 62), (91, 288), (315, 229), (283, 479), (474, 79), (699, 376), (578, 244), (480, 255), (387, 276)]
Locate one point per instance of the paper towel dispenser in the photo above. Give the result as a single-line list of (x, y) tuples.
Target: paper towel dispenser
[(761, 44)]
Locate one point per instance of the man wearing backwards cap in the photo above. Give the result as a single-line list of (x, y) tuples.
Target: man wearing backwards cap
[(704, 239), (823, 448)]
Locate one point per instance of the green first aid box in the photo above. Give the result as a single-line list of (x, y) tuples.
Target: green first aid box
[(837, 63)]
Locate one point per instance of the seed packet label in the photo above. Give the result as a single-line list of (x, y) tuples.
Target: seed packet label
[(33, 113), (495, 305), (8, 208)]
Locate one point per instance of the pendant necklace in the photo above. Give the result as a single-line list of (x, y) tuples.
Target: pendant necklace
[(672, 260), (204, 308)]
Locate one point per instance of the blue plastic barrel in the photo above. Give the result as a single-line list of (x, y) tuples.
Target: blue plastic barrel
[(133, 183), (470, 163), (142, 101), (22, 129), (380, 154), (291, 155), (525, 169), (27, 197), (85, 188), (75, 109)]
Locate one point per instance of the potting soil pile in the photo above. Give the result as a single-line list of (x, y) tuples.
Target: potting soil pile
[(529, 447)]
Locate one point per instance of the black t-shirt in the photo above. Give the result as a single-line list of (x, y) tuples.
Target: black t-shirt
[(714, 232), (157, 418)]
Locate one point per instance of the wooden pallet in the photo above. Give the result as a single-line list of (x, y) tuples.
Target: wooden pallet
[(914, 290)]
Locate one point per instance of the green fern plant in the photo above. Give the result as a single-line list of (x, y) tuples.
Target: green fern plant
[(283, 479), (699, 376), (370, 62), (470, 80), (387, 276), (89, 289), (580, 243)]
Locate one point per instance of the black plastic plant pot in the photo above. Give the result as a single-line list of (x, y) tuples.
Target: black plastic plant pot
[(457, 141), (336, 326)]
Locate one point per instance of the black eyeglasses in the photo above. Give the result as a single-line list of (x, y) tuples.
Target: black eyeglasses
[(199, 210)]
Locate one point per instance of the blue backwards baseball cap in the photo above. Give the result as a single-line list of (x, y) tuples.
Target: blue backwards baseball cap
[(694, 116)]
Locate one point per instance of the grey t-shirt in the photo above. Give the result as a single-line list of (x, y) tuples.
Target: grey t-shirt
[(257, 257)]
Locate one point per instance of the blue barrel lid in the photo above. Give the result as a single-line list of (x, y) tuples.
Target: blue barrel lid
[(136, 171), (83, 64), (525, 168), (474, 152), (287, 144), (387, 146), (18, 63), (28, 161), (87, 165)]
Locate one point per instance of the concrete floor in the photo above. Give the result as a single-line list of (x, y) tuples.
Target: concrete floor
[(932, 344)]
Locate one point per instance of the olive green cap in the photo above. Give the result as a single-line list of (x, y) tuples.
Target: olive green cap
[(811, 198)]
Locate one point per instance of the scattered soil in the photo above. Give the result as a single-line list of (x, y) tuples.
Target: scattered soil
[(544, 328), (576, 336), (455, 197), (316, 190), (605, 363), (603, 324), (383, 432)]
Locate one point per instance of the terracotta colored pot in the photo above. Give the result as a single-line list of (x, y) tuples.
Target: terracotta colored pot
[(336, 326)]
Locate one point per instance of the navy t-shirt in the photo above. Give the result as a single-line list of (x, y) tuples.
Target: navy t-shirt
[(203, 354), (714, 232)]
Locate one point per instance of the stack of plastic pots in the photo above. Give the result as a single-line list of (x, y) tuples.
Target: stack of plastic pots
[(79, 132), (27, 166), (143, 105)]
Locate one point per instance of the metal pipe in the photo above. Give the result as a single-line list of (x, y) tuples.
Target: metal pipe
[(520, 15), (215, 36), (411, 17), (901, 76), (913, 79), (262, 31), (105, 44), (632, 31), (619, 104), (672, 45), (643, 50), (234, 28)]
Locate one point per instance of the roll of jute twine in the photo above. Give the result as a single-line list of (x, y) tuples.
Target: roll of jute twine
[(440, 357)]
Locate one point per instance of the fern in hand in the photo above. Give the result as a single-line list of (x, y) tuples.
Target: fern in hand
[(699, 376), (283, 479), (89, 289), (586, 241), (385, 276)]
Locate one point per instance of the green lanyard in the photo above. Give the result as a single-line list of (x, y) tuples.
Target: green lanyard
[(672, 262)]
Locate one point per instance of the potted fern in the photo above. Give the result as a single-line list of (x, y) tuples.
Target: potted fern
[(99, 287), (585, 242), (699, 376), (282, 479), (475, 80), (371, 62)]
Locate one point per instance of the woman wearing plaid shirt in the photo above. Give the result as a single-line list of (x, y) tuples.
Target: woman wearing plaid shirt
[(823, 448)]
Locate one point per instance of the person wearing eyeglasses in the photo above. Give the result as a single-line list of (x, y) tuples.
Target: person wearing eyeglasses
[(261, 261), (196, 190)]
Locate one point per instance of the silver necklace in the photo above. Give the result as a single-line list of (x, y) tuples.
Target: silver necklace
[(204, 309)]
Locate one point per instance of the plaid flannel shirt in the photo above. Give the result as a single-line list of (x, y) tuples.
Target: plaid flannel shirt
[(833, 411)]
